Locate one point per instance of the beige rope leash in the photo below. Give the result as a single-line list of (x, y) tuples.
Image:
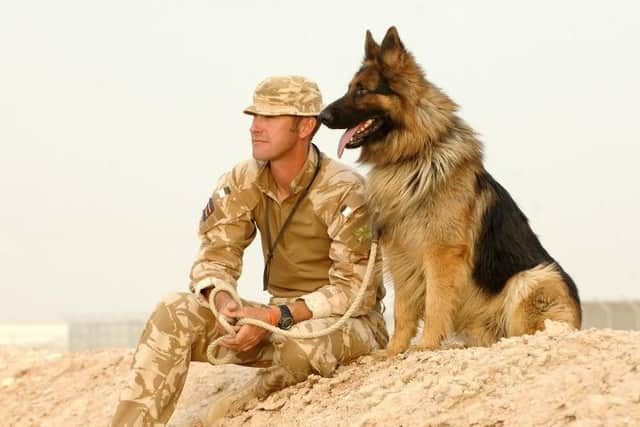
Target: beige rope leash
[(290, 334)]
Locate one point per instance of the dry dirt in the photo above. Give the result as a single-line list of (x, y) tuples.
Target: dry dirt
[(554, 378)]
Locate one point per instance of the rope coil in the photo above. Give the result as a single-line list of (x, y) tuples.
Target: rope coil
[(226, 325)]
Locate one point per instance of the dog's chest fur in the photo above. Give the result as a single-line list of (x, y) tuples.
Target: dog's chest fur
[(405, 200), (425, 199)]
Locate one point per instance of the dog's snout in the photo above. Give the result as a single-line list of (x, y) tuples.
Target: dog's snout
[(326, 117)]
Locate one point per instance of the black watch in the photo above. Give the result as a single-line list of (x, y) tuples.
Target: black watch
[(286, 319)]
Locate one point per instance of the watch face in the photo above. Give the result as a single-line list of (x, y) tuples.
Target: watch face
[(286, 323)]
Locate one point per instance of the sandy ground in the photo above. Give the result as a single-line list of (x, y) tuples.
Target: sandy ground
[(554, 378)]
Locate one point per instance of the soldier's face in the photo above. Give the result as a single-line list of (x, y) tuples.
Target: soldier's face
[(273, 137)]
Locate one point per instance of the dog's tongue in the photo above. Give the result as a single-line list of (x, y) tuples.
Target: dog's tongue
[(346, 137)]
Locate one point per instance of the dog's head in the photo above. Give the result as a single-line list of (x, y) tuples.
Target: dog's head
[(387, 101)]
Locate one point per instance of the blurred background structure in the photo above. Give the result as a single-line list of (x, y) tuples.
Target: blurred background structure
[(80, 335)]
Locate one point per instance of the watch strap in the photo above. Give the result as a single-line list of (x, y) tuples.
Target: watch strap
[(286, 318)]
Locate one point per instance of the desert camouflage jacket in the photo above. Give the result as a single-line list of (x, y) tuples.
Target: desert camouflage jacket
[(323, 252)]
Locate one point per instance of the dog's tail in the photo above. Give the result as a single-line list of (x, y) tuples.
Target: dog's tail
[(535, 295)]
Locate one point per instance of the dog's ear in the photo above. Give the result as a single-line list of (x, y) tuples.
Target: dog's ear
[(392, 40), (392, 50), (371, 48)]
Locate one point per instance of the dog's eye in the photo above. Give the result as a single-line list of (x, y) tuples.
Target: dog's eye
[(360, 92)]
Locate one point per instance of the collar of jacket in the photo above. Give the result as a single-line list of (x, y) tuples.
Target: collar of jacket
[(267, 185)]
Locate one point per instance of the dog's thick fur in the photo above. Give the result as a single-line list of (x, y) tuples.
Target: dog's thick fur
[(461, 253)]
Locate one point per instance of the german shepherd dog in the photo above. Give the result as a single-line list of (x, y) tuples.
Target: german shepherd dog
[(461, 254)]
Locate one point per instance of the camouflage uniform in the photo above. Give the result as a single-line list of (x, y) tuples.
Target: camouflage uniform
[(321, 259)]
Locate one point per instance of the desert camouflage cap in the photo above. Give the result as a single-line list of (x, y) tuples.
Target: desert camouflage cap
[(286, 95)]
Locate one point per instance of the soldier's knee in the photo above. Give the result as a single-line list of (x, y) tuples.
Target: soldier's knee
[(176, 298), (165, 315)]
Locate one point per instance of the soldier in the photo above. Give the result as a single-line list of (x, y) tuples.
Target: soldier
[(314, 230)]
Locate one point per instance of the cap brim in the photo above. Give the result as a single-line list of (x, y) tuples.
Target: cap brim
[(253, 110)]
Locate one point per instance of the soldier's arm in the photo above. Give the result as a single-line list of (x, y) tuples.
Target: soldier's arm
[(226, 229), (349, 228)]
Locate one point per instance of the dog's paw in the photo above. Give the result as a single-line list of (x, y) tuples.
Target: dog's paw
[(380, 355), (429, 344), (453, 343), (394, 349), (453, 346), (417, 348), (432, 339)]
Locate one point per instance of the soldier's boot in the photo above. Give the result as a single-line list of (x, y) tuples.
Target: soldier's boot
[(268, 380), (231, 402)]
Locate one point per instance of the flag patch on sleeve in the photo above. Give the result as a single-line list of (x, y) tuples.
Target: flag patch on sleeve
[(208, 209)]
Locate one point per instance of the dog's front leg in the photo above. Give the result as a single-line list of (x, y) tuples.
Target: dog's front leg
[(446, 271), (408, 299), (405, 316)]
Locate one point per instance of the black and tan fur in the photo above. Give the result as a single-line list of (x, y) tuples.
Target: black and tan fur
[(461, 253)]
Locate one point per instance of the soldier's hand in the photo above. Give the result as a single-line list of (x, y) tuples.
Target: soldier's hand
[(248, 336), (227, 307)]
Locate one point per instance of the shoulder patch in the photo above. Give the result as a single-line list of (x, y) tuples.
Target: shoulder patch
[(210, 207), (208, 210)]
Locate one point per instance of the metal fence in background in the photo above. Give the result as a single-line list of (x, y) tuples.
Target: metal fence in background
[(85, 335), (611, 314)]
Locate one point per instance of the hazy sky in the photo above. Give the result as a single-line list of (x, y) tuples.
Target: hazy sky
[(117, 118)]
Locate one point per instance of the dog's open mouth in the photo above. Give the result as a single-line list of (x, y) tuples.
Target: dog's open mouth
[(354, 137)]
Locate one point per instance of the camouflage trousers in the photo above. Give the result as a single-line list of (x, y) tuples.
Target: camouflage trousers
[(180, 330)]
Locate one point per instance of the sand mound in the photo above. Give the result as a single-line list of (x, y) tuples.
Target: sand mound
[(554, 378)]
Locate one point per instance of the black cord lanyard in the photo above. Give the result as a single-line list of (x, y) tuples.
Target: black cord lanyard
[(267, 263)]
